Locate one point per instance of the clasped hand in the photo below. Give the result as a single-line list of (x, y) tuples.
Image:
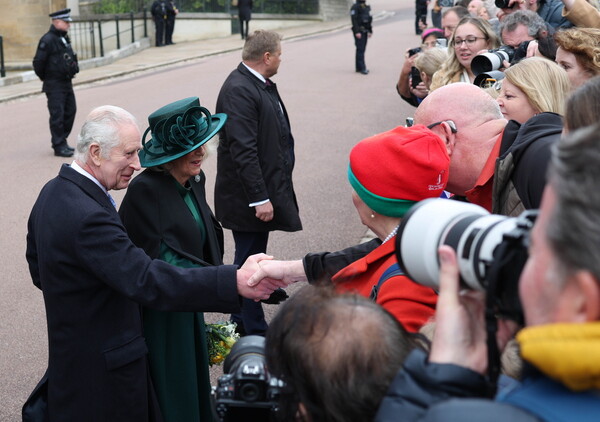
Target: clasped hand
[(261, 275)]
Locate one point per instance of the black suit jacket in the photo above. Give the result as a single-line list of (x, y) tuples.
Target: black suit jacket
[(93, 279), (255, 156)]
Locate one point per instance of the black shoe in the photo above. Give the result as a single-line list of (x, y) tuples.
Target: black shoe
[(63, 152), (276, 297), (365, 71), (70, 148)]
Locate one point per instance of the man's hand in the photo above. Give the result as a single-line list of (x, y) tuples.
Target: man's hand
[(264, 212), (460, 335), (514, 5), (260, 290), (358, 35), (286, 272)]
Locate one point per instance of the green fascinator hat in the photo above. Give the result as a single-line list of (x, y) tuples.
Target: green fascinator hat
[(177, 129)]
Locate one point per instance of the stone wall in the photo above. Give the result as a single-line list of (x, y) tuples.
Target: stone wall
[(335, 9), (28, 20)]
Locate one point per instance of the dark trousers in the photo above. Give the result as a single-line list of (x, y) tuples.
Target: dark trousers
[(436, 18), (252, 318), (160, 31), (361, 46), (62, 108), (420, 12), (244, 28), (170, 27)]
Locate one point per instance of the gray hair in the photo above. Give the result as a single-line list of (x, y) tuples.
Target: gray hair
[(259, 43), (102, 127), (574, 232), (534, 23)]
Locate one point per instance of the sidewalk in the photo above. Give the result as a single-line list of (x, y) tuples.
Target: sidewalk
[(145, 58)]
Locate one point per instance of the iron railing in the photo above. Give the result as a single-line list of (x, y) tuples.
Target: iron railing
[(93, 36), (2, 68), (292, 7)]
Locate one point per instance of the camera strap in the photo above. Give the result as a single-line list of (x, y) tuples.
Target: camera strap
[(392, 271)]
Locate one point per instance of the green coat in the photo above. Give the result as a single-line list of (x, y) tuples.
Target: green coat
[(176, 225)]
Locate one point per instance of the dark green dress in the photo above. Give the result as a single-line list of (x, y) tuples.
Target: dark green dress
[(177, 346)]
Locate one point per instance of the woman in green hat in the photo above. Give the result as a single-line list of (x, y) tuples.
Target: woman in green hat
[(165, 213)]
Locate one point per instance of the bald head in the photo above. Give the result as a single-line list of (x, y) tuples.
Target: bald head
[(479, 123), (465, 104)]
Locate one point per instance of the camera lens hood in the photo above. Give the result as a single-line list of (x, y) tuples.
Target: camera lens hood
[(421, 232)]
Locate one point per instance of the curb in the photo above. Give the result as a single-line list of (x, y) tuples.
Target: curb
[(143, 44)]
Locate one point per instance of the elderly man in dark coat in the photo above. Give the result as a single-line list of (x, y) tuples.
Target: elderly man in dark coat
[(254, 193), (93, 279)]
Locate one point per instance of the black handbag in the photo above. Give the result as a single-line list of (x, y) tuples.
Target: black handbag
[(35, 408)]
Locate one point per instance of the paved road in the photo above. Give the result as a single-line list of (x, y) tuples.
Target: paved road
[(331, 108)]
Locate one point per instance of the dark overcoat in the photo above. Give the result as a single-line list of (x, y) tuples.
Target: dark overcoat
[(255, 156), (245, 9), (93, 279), (169, 220)]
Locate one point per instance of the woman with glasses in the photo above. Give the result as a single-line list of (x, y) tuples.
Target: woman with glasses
[(532, 86), (470, 37)]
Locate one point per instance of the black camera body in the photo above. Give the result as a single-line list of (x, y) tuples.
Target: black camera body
[(503, 4), (246, 391), (415, 77), (414, 51)]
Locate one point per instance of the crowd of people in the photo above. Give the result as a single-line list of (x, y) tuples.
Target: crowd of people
[(125, 290)]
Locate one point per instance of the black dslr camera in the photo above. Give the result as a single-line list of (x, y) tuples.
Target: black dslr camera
[(246, 391)]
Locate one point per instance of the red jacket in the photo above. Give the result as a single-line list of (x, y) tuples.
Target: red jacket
[(412, 304)]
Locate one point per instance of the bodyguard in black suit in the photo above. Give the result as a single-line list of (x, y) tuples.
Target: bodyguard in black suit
[(254, 192), (94, 278), (55, 63), (245, 15)]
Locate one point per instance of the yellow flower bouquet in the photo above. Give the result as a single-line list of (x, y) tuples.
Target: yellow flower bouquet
[(220, 338)]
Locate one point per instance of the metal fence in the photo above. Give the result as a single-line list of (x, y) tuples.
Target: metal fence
[(93, 36), (292, 7)]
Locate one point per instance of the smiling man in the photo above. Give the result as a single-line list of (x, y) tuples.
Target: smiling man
[(94, 279)]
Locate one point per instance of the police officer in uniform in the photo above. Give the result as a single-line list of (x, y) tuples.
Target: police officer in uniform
[(55, 63), (172, 11), (159, 13), (360, 12)]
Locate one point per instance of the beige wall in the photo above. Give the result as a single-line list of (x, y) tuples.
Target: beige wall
[(28, 20), (22, 24)]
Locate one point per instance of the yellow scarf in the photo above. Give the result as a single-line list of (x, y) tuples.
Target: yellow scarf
[(569, 353)]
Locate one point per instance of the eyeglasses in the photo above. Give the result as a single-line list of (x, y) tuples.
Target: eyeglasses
[(469, 41), (450, 123)]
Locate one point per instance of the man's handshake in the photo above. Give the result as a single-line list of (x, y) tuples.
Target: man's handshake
[(260, 276)]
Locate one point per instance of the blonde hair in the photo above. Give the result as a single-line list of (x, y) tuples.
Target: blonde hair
[(452, 68), (430, 60), (545, 83)]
